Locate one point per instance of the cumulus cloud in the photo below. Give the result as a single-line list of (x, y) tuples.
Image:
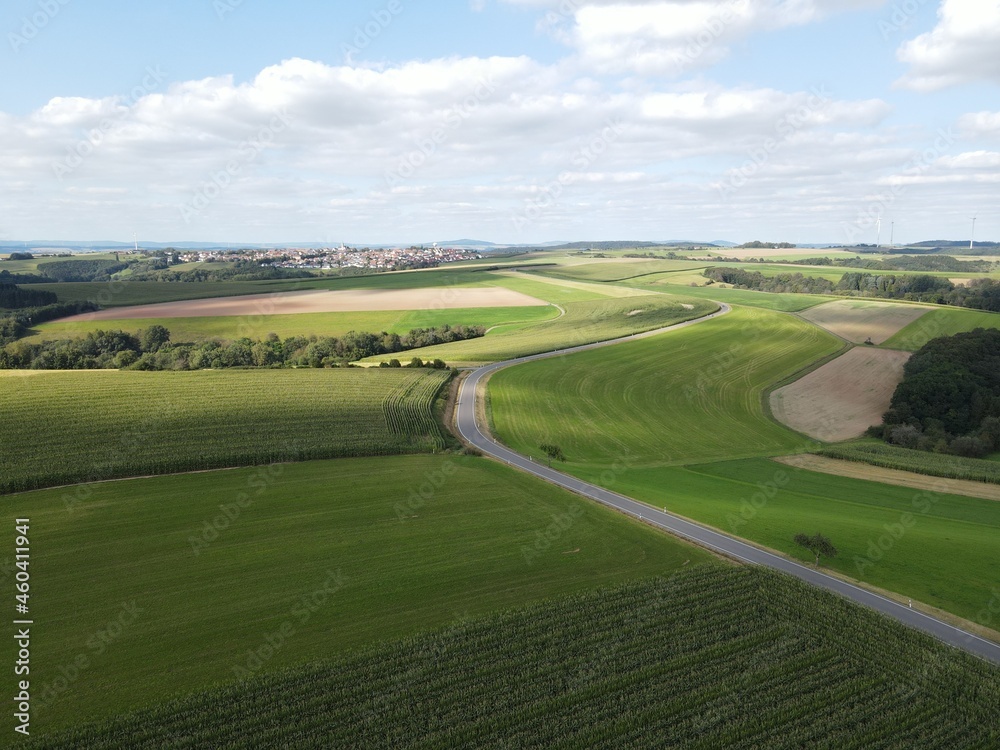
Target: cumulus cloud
[(671, 36), (961, 48)]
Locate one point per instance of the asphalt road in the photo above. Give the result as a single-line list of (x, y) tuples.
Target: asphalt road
[(468, 427)]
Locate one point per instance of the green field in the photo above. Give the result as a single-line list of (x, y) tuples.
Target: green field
[(689, 395), (303, 324), (66, 427), (626, 269), (946, 557), (584, 322), (943, 322), (124, 293), (216, 562), (711, 658), (763, 300)]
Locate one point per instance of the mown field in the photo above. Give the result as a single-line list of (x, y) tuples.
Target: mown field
[(942, 322), (584, 322), (194, 573), (303, 324), (709, 658), (67, 427), (688, 395)]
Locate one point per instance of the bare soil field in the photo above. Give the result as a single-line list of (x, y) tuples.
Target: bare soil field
[(858, 319), (319, 301), (857, 470), (843, 398)]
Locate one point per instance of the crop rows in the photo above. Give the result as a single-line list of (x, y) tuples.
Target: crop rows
[(713, 657), (65, 428), (922, 462)]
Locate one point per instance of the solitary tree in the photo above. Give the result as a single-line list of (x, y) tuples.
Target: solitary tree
[(817, 544), (552, 451)]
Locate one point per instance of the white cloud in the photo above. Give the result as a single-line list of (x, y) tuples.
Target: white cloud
[(980, 124), (964, 46), (671, 36)]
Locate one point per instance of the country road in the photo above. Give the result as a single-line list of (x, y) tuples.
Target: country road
[(468, 427)]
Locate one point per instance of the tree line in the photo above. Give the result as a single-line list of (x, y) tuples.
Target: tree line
[(949, 399), (782, 282), (12, 297), (152, 349), (978, 294)]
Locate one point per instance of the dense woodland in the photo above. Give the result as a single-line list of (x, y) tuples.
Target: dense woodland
[(12, 297), (949, 400), (152, 349), (782, 282)]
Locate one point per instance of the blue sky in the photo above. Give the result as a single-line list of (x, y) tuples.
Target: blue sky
[(507, 120)]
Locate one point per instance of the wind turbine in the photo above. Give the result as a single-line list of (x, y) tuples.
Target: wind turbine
[(878, 231), (973, 239), (892, 234)]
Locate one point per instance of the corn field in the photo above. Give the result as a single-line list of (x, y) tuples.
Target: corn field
[(922, 462), (713, 657), (69, 427)]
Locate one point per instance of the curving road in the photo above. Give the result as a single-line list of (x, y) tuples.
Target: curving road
[(468, 427)]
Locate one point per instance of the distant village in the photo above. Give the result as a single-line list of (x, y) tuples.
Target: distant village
[(333, 258)]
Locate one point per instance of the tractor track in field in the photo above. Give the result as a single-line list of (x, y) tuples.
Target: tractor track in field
[(467, 424)]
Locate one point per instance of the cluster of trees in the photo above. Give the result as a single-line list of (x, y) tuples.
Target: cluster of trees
[(152, 349), (758, 245), (949, 400), (782, 282), (81, 269), (978, 294), (12, 297), (21, 256), (15, 324), (939, 263)]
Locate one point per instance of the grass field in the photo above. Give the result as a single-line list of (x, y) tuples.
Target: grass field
[(124, 293), (627, 268), (764, 300), (941, 322), (945, 557), (711, 658), (688, 395), (344, 553), (306, 324), (584, 322), (66, 427)]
